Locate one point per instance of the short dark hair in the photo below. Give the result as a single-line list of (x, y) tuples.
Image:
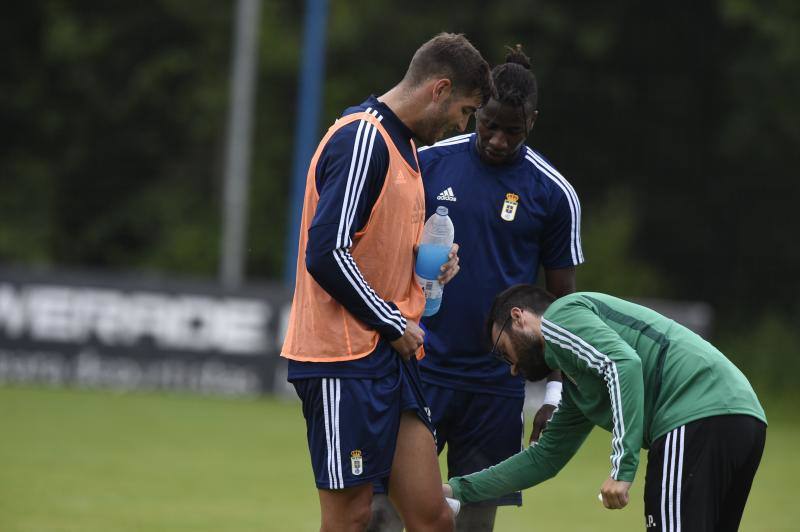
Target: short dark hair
[(452, 56), (514, 82), (525, 296)]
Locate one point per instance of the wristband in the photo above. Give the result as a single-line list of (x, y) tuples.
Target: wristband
[(454, 504), (552, 393)]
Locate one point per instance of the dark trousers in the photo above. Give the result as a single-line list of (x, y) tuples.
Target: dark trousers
[(699, 475)]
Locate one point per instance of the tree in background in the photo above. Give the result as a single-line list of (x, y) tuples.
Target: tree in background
[(111, 118), (679, 126)]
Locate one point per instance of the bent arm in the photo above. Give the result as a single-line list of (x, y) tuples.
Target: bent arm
[(348, 187), (565, 434)]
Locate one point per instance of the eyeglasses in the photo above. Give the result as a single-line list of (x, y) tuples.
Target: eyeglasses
[(494, 352)]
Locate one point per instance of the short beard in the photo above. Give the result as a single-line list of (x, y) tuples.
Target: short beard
[(530, 356), (433, 127)]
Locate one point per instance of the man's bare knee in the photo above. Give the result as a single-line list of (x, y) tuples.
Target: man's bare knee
[(435, 520), (361, 517), (444, 520), (354, 519)]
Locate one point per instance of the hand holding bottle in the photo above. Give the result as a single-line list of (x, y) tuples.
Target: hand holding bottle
[(451, 267), (437, 259)]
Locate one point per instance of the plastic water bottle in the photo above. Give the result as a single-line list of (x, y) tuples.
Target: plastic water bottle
[(437, 239)]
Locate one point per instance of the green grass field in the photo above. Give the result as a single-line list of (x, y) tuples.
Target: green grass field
[(95, 461)]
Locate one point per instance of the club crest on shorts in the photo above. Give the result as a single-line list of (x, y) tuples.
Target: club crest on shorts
[(509, 210), (356, 462)]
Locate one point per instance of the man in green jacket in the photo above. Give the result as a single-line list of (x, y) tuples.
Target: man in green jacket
[(653, 384)]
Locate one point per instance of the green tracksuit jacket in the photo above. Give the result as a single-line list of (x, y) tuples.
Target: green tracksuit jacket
[(627, 369)]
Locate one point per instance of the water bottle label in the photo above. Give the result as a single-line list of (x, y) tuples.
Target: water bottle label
[(431, 288)]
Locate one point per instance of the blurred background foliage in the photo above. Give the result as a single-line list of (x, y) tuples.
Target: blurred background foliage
[(679, 125)]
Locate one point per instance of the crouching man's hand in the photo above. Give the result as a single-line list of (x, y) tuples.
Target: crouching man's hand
[(615, 493)]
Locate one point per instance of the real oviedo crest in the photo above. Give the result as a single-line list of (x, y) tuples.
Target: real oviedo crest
[(356, 462), (509, 207)]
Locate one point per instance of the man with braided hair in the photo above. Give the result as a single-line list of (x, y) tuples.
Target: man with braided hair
[(512, 212)]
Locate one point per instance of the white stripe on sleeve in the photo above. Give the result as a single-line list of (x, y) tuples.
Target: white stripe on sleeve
[(458, 139), (379, 307), (576, 248), (359, 169), (607, 368), (347, 191), (360, 184)]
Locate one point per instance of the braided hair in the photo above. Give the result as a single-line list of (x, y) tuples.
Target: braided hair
[(514, 82)]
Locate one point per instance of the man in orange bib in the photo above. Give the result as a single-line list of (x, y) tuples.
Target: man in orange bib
[(353, 338)]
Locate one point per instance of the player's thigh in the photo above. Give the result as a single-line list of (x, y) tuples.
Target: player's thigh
[(488, 429), (351, 427), (415, 484), (411, 398)]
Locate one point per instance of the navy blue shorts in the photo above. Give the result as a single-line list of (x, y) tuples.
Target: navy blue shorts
[(480, 430), (352, 423)]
